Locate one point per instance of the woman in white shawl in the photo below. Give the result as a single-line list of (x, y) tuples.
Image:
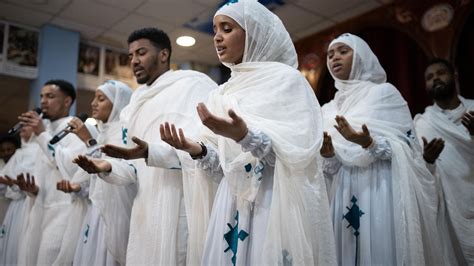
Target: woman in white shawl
[(14, 224), (104, 231), (385, 203), (264, 132)]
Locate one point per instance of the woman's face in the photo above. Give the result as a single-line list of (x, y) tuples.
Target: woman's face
[(101, 106), (340, 60), (229, 39)]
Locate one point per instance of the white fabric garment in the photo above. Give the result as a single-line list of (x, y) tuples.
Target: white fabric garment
[(292, 223), (455, 166), (13, 226), (158, 225), (77, 212), (4, 202), (107, 221), (390, 183), (49, 214)]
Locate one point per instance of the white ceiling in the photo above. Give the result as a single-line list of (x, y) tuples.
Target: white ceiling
[(111, 21)]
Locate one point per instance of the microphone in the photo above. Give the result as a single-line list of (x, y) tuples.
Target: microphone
[(19, 125), (66, 131)]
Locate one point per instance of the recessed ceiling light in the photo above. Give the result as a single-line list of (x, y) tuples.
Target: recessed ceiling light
[(185, 41)]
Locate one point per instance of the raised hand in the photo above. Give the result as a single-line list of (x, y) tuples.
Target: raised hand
[(178, 141), (468, 121), (91, 165), (234, 127), (68, 187), (6, 180), (79, 129), (139, 151), (362, 138), (33, 120), (27, 184), (327, 150), (433, 149)]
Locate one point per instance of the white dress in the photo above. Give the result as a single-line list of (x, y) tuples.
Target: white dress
[(361, 203), (236, 235), (13, 226)]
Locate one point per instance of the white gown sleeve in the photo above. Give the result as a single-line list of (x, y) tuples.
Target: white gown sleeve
[(162, 155), (123, 173), (380, 148), (260, 145)]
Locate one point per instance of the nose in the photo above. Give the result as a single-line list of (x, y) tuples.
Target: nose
[(217, 37), (135, 60)]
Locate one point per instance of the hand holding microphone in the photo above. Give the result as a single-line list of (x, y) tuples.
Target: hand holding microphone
[(31, 119), (66, 130)]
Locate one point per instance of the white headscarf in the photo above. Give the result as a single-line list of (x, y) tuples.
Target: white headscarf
[(366, 99), (269, 94), (266, 39), (118, 94)]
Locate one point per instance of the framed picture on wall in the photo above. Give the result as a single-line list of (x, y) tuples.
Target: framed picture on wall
[(89, 58), (117, 64), (22, 46)]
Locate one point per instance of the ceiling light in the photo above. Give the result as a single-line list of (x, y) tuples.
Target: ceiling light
[(185, 41)]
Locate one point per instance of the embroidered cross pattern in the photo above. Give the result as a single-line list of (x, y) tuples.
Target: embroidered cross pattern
[(232, 238), (353, 217)]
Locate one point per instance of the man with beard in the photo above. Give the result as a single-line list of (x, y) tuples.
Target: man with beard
[(50, 210), (160, 219), (446, 129)]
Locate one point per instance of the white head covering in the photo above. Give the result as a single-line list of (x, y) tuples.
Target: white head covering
[(119, 94), (365, 65), (274, 43)]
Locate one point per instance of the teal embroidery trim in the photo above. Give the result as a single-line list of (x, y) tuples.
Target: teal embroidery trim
[(232, 238), (86, 234), (287, 259), (124, 135), (231, 2), (3, 232), (51, 148)]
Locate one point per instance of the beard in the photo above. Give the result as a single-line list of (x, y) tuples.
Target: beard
[(143, 79), (442, 91)]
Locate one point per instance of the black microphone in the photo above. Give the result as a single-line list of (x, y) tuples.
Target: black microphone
[(19, 125), (66, 131)]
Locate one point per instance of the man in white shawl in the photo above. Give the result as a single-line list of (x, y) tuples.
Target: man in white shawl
[(263, 134), (49, 215), (104, 231), (447, 130), (161, 210), (385, 203), (14, 224)]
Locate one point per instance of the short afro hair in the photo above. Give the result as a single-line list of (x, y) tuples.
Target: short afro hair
[(65, 86), (443, 62), (156, 36)]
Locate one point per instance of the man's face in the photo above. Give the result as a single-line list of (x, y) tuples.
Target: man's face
[(54, 103), (439, 82), (146, 60), (7, 149)]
